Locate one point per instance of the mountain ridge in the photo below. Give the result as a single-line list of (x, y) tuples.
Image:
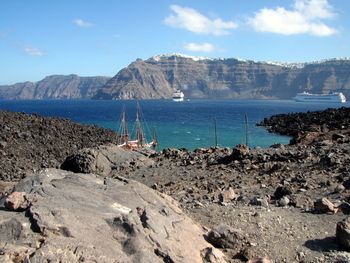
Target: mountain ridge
[(159, 76), (272, 62), (55, 87), (200, 77)]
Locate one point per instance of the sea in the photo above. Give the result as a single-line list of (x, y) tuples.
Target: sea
[(188, 124)]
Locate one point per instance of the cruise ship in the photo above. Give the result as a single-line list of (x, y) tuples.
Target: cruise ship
[(309, 97), (178, 95)]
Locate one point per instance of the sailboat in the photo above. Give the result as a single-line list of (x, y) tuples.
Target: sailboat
[(139, 141)]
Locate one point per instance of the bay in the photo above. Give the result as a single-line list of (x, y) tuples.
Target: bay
[(188, 124)]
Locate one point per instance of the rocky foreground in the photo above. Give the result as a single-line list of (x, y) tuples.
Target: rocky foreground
[(287, 203), (86, 218)]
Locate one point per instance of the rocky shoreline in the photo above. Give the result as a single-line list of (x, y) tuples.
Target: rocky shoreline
[(281, 203), (301, 125)]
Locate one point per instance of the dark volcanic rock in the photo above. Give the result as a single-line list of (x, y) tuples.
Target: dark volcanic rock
[(159, 76), (343, 233), (282, 191), (240, 152), (306, 127), (32, 142)]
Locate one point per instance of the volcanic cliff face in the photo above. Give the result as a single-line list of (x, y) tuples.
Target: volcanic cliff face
[(159, 76), (55, 87)]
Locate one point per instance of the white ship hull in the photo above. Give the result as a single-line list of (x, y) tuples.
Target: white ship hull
[(336, 97), (178, 96)]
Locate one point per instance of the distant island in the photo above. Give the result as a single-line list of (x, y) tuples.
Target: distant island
[(197, 77), (54, 87)]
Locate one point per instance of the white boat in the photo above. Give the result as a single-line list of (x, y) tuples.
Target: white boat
[(331, 97), (178, 96)]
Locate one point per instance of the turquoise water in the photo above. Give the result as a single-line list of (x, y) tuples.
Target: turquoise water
[(188, 124)]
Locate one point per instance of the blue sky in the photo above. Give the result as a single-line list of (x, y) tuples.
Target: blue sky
[(100, 37)]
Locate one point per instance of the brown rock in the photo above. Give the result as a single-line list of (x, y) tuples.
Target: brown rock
[(6, 187), (323, 206), (17, 201), (224, 236), (240, 152), (301, 201), (227, 196), (343, 233), (211, 255), (260, 260)]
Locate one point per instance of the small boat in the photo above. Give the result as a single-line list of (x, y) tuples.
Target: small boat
[(139, 141), (178, 95), (331, 97)]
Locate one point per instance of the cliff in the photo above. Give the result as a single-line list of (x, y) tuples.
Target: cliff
[(159, 76), (54, 87)]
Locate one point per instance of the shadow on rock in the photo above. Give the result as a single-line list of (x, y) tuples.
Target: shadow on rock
[(322, 245)]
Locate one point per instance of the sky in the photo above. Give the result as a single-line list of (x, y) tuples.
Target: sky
[(100, 37)]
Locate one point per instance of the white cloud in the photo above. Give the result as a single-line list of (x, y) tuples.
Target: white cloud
[(192, 20), (304, 18), (32, 51), (205, 47), (314, 8), (81, 23)]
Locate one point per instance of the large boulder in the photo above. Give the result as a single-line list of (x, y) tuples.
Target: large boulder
[(103, 160), (224, 236), (240, 152), (343, 233), (83, 217)]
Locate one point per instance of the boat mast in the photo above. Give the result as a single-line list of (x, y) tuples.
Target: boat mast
[(124, 133), (140, 136), (154, 140), (246, 128)]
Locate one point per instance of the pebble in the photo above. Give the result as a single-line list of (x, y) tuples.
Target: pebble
[(284, 201), (260, 202), (340, 188)]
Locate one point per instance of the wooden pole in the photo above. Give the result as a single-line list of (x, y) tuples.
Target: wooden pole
[(246, 129), (215, 133)]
